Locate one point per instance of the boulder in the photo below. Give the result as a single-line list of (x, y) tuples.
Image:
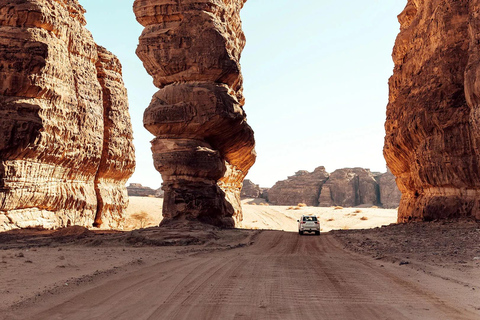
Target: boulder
[(203, 147), (66, 149), (432, 142)]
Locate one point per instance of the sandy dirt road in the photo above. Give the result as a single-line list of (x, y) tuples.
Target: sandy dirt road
[(281, 276)]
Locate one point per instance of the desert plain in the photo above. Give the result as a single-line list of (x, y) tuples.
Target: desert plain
[(356, 269)]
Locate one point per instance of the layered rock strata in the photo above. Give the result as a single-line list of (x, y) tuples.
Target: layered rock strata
[(203, 146), (432, 132), (390, 195), (303, 187), (66, 149)]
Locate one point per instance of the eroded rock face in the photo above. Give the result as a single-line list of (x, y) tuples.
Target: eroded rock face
[(390, 195), (350, 188), (66, 149), (250, 189), (432, 136), (303, 187), (203, 146)]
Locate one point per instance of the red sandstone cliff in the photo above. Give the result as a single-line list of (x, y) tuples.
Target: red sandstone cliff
[(66, 148), (432, 136)]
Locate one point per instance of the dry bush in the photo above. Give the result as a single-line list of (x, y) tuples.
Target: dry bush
[(363, 218), (141, 218), (374, 207), (345, 227), (338, 208), (331, 219), (301, 205), (357, 211), (290, 208), (297, 208), (267, 204), (253, 203)]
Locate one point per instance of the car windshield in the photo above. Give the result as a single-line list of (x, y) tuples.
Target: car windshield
[(309, 218)]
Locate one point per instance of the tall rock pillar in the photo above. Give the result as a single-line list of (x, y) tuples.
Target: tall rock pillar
[(432, 129), (203, 146)]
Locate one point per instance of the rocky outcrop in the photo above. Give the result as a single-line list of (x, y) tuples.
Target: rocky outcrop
[(66, 149), (350, 188), (432, 137), (203, 146), (250, 189), (137, 190), (303, 187), (390, 195)]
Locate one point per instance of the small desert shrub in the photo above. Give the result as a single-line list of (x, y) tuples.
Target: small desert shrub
[(142, 218), (345, 227), (253, 203), (331, 219), (290, 208), (338, 208), (301, 205), (374, 207), (297, 208), (363, 218), (357, 211)]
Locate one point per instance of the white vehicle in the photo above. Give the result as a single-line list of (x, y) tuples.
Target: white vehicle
[(308, 224)]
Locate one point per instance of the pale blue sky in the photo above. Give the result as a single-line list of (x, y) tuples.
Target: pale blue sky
[(315, 75)]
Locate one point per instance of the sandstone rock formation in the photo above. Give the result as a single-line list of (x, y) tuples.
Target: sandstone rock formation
[(432, 137), (390, 195), (203, 146), (350, 188), (303, 187), (137, 190), (250, 189), (66, 149)]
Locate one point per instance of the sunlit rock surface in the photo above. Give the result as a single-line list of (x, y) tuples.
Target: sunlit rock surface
[(432, 128), (303, 187), (203, 146), (66, 139)]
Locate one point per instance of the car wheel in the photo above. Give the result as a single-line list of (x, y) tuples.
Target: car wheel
[(317, 233), (300, 233)]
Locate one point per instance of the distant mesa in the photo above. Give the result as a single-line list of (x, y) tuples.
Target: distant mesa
[(138, 190), (349, 187)]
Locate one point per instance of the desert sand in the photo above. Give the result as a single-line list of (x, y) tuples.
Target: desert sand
[(259, 215), (415, 271)]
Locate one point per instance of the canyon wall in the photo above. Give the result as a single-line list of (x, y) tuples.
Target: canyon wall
[(66, 149), (432, 128), (203, 146)]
